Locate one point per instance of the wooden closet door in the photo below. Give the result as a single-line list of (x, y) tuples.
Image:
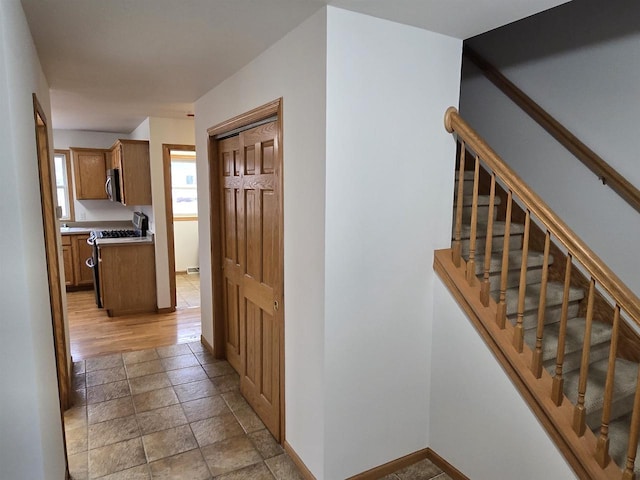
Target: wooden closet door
[(261, 292), (232, 213)]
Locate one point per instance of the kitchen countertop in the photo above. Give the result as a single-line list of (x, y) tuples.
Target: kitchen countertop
[(84, 228), (75, 230), (124, 241)]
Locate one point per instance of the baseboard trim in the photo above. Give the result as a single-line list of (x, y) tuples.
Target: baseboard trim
[(306, 473), (166, 310), (206, 344), (445, 466), (392, 466)]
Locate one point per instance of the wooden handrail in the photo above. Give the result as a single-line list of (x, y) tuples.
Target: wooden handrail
[(622, 295), (605, 172)]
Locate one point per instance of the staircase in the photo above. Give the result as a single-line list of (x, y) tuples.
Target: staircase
[(625, 371)]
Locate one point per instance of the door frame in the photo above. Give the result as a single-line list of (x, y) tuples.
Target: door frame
[(215, 174), (168, 208), (52, 255)]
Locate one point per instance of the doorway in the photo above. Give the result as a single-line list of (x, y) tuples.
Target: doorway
[(181, 208), (245, 165)]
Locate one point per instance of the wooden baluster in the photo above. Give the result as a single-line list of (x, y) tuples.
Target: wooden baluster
[(485, 288), (471, 264), (501, 316), (536, 363), (602, 449), (518, 333), (628, 473), (579, 411), (558, 380), (456, 250)]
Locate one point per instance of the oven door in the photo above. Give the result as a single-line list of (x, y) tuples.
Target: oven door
[(92, 263)]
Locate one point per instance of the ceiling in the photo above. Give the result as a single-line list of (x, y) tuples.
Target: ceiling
[(112, 63)]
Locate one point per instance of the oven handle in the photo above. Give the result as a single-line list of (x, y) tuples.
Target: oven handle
[(89, 262), (91, 240)]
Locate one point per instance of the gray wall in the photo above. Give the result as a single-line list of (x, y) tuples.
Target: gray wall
[(580, 62)]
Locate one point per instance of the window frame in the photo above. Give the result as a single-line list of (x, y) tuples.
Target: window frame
[(68, 185), (190, 159)]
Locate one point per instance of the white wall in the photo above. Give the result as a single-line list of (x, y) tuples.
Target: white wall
[(479, 422), (31, 441), (586, 78), (389, 177), (185, 238), (293, 68), (92, 210)]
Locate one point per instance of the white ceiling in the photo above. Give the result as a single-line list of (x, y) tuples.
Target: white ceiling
[(112, 63)]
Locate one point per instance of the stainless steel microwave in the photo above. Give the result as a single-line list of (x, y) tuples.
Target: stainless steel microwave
[(112, 185)]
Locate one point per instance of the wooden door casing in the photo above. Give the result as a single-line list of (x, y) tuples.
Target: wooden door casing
[(246, 197)]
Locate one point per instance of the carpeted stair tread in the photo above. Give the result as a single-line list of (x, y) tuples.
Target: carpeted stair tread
[(498, 230), (532, 296), (619, 441), (623, 389), (534, 260), (468, 174), (600, 341), (483, 201)]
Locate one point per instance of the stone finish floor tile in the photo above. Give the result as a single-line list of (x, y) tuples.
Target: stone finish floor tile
[(108, 391), (235, 400), (195, 390), (283, 468), (423, 470), (205, 408), (188, 465), (154, 399), (265, 443), (196, 347), (181, 361), (173, 350), (113, 431), (104, 362), (227, 383), (218, 369), (77, 440), (78, 465), (140, 356), (75, 417), (248, 420), (148, 383), (161, 419), (101, 412), (186, 375), (216, 429), (109, 375), (254, 472), (114, 458), (79, 367), (229, 455), (206, 358), (144, 368), (169, 442), (141, 472)]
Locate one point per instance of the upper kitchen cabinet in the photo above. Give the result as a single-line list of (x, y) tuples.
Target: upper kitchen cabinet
[(131, 158), (90, 170)]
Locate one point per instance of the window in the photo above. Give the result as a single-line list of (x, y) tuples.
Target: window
[(184, 190), (64, 183)]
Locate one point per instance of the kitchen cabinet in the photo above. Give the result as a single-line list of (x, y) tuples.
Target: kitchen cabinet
[(90, 173), (75, 251), (131, 157), (127, 278), (67, 254)]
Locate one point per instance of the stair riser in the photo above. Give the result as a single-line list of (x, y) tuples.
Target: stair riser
[(483, 214), (515, 242), (552, 315), (572, 360), (513, 278)]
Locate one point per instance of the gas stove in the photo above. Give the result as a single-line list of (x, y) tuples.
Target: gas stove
[(118, 233)]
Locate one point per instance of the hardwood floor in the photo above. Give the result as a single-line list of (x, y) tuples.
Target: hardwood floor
[(93, 333)]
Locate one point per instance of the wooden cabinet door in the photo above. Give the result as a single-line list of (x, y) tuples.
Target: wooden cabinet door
[(82, 251), (67, 254), (90, 172), (252, 267), (135, 172)]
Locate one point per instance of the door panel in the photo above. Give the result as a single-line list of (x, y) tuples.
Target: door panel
[(228, 154)]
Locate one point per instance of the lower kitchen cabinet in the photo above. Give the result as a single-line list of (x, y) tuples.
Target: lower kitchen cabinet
[(127, 278), (75, 251)]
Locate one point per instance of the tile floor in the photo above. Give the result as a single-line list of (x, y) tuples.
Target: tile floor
[(187, 290), (174, 413)]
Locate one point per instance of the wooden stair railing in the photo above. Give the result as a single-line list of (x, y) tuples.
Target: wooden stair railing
[(606, 173), (586, 451)]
